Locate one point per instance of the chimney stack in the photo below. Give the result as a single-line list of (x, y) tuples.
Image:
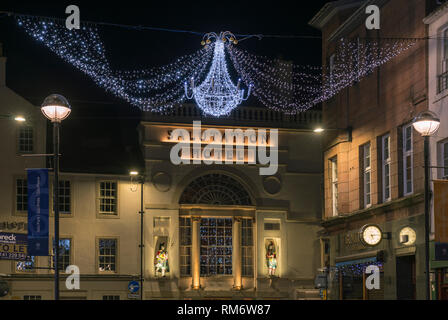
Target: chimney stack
[(2, 67)]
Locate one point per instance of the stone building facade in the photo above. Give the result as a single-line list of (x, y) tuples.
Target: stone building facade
[(217, 223), (373, 163)]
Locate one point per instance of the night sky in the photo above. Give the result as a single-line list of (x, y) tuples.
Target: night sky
[(100, 135)]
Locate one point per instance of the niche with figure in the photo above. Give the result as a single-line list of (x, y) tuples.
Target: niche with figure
[(271, 256), (161, 257)]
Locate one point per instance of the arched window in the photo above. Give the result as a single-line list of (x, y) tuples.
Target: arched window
[(215, 189)]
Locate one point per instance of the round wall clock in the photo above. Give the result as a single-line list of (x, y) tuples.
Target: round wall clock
[(407, 236), (370, 235)]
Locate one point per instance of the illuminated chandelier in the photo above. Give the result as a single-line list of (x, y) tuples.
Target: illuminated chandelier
[(217, 95)]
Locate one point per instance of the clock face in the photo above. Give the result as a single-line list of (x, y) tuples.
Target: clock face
[(407, 236), (371, 235)]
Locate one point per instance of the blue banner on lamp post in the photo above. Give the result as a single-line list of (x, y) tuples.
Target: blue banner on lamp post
[(38, 212)]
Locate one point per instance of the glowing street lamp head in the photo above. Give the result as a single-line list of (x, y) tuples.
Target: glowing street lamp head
[(133, 173), (319, 130), (56, 108), (426, 123), (20, 119)]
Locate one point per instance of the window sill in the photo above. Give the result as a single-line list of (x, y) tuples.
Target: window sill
[(20, 213), (107, 216)]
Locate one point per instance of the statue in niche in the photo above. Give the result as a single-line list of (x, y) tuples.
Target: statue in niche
[(161, 262), (271, 258)]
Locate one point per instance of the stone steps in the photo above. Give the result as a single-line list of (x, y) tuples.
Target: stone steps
[(308, 294)]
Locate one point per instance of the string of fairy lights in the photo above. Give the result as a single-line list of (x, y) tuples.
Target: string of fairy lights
[(204, 75), (156, 89)]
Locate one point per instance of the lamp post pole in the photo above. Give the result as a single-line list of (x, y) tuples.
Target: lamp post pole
[(427, 123), (427, 216), (56, 207), (56, 108), (142, 212)]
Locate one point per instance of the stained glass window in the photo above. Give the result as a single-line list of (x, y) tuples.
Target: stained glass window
[(216, 246)]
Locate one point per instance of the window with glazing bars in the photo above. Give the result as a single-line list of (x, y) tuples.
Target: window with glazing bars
[(216, 246), (21, 195), (367, 171), (108, 197), (334, 185), (26, 140), (185, 246), (408, 170), (444, 163), (386, 160), (32, 297), (65, 247), (64, 197), (26, 266), (107, 249), (247, 247), (443, 75)]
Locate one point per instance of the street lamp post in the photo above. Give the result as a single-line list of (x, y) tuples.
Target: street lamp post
[(427, 123), (142, 212), (56, 108)]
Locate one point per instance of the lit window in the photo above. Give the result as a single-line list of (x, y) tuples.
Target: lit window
[(107, 256), (26, 140), (334, 185), (26, 266), (185, 246), (408, 160), (367, 174), (386, 160), (216, 247), (108, 198), (21, 195), (65, 246), (247, 247)]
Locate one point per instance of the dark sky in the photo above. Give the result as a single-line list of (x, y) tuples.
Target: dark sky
[(102, 127)]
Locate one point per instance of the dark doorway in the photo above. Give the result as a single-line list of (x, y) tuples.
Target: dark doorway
[(406, 278), (444, 295)]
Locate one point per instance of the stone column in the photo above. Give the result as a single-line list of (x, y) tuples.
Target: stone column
[(237, 270), (195, 254)]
